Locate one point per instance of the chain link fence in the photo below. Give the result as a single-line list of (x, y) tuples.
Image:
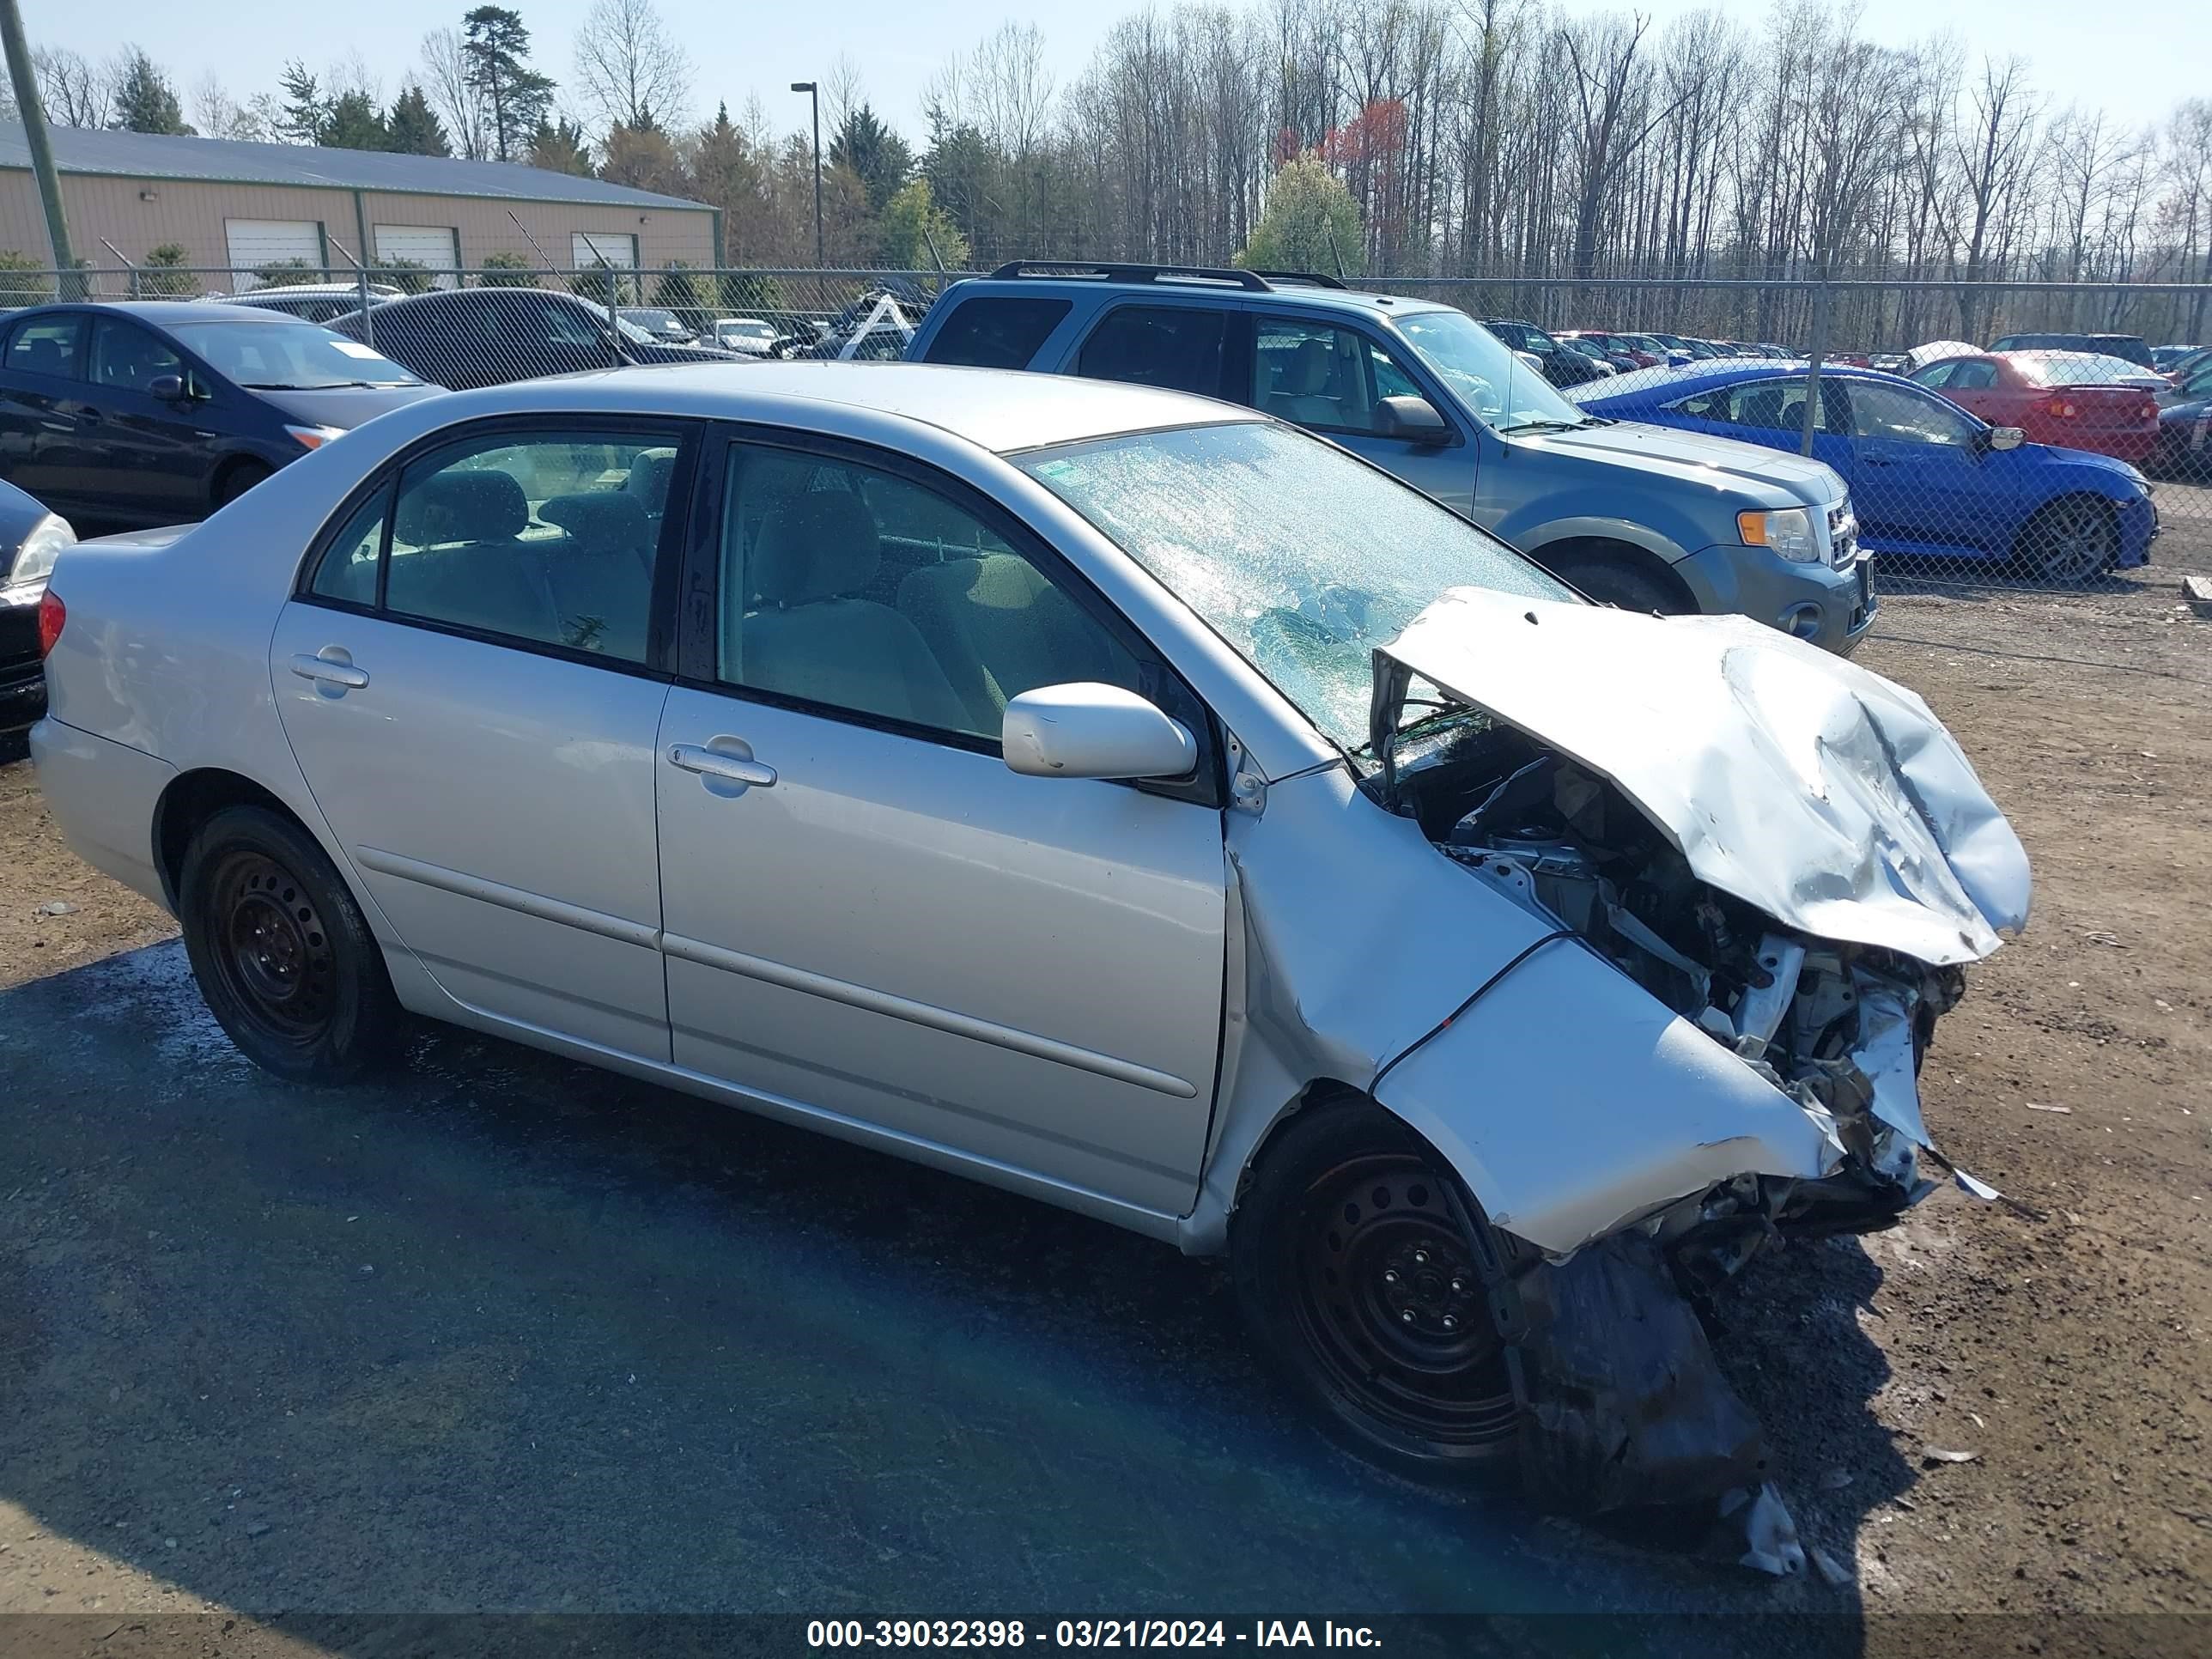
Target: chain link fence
[(2039, 434)]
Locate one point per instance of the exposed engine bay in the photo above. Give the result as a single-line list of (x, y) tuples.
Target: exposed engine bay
[(1839, 1027)]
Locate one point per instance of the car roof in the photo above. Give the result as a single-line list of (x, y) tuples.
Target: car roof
[(999, 410), (1644, 384), (170, 310), (1284, 295)]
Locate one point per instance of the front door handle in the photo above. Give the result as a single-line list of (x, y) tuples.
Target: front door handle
[(731, 768), (330, 673)]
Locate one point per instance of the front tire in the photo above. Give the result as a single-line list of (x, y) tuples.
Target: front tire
[(1355, 1272), (1616, 582), (283, 954), (235, 480), (2070, 541)]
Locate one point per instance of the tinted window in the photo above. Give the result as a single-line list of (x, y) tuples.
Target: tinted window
[(1899, 416), (996, 332), (127, 358), (1970, 377), (1317, 375), (864, 592), (1157, 346), (545, 538), (53, 346)]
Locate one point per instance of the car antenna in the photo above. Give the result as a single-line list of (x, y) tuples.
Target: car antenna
[(532, 240), (1334, 252)]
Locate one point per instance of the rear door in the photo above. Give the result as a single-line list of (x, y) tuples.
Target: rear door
[(1176, 348), (41, 378), (469, 683)]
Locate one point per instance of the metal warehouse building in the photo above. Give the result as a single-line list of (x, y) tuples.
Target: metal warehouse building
[(243, 205)]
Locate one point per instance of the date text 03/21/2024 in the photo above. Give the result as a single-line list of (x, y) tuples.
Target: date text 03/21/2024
[(1003, 1633)]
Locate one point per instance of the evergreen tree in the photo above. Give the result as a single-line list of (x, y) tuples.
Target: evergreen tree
[(144, 99), (1309, 224), (914, 235), (875, 154), (300, 119), (413, 128), (644, 158), (496, 51), (727, 174), (559, 146), (352, 122)]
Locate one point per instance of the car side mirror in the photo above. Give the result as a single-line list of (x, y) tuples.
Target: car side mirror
[(169, 388), (2006, 437), (1086, 730), (1413, 419), (1530, 360)]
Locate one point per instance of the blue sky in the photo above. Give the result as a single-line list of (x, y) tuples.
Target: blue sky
[(2135, 59)]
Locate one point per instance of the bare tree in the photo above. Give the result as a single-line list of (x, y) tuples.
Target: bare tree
[(453, 93), (75, 92), (630, 70)]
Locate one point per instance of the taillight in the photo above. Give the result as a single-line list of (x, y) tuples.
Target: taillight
[(52, 613), (2061, 408)]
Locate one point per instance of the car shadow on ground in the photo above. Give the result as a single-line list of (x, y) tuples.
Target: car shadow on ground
[(501, 1333)]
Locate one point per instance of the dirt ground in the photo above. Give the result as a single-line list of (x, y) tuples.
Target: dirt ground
[(2057, 1338)]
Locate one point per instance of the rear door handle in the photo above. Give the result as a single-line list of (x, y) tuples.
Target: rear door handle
[(708, 762), (330, 673)]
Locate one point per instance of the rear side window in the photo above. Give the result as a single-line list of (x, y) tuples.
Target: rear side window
[(1158, 346), (54, 346), (996, 332)]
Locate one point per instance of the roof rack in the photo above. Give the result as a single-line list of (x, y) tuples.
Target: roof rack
[(1095, 270), (1300, 278)]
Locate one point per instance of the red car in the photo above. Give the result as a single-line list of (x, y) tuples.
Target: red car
[(1627, 350), (2074, 399)]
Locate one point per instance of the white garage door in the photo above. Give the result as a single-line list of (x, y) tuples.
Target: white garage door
[(592, 249), (435, 247), (257, 244)]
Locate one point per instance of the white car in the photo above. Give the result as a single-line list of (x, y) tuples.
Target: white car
[(1123, 799), (746, 334)]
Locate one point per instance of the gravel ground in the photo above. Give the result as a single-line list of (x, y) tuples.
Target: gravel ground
[(502, 1334)]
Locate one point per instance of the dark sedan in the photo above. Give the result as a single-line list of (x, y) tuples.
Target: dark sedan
[(128, 416), (476, 336), (30, 537), (1562, 367)]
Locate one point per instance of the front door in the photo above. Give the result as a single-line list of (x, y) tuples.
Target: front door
[(155, 456), (866, 913), (466, 683), (1920, 480), (1331, 380)]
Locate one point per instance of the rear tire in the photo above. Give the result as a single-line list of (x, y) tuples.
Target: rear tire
[(283, 954), (1355, 1273), (1617, 582), (235, 480)]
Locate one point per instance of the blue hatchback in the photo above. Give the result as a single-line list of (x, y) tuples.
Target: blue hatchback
[(1927, 479)]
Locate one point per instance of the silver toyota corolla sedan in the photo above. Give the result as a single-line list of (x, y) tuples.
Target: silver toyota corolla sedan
[(1122, 798)]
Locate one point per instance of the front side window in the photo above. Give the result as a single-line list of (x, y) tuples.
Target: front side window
[(1177, 350), (1978, 375), (1936, 374), (1301, 557), (542, 539), (1896, 415), (126, 358), (1767, 405), (996, 331), (1505, 393), (1316, 374), (864, 592), (53, 346), (281, 357)]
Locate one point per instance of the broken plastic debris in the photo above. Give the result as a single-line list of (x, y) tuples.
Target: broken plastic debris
[(1932, 1455), (57, 908), (1979, 1188), (2033, 1107), (1829, 1568), (1761, 1521)]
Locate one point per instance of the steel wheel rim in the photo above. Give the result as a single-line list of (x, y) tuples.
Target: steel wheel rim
[(2075, 544), (1388, 1300), (272, 952)]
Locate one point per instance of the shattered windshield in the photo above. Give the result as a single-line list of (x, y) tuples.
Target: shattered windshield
[(1303, 559)]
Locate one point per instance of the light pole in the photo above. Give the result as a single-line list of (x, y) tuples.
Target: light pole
[(815, 94)]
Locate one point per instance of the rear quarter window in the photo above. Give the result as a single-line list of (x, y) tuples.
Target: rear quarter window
[(996, 332)]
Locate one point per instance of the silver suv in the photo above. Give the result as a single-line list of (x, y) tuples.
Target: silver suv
[(1639, 516)]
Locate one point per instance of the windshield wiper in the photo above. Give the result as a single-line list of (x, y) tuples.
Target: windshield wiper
[(1548, 425)]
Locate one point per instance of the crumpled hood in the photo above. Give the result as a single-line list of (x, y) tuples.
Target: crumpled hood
[(1828, 797), (1714, 461)]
